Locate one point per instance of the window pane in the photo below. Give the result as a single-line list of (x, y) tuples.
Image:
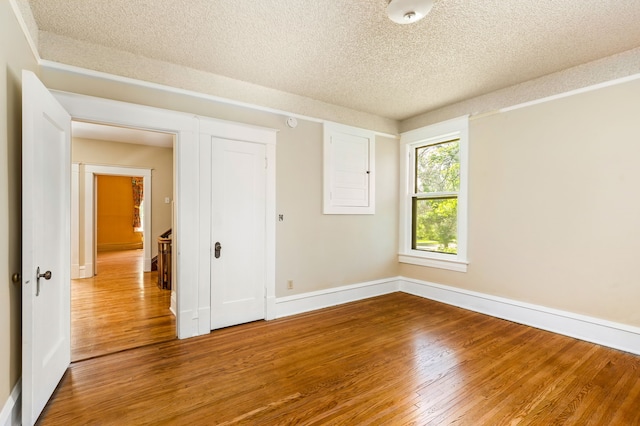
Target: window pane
[(438, 168), (435, 224)]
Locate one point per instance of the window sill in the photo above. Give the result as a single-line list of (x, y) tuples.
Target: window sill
[(451, 265)]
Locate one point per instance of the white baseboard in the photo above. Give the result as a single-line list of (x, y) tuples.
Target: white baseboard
[(602, 332), (204, 321), (11, 414), (595, 330), (81, 271), (306, 302), (75, 271), (270, 311), (86, 271), (174, 303)]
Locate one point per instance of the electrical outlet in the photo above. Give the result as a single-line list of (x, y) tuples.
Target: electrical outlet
[(290, 284)]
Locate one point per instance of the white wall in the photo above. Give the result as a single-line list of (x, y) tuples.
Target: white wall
[(316, 251)]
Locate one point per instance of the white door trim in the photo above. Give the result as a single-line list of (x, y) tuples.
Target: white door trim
[(191, 255), (185, 226), (87, 174), (209, 128), (238, 219)]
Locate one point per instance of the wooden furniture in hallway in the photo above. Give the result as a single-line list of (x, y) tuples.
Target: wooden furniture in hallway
[(391, 360), (120, 308), (164, 261)]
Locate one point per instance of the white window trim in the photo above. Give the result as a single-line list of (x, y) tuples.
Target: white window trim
[(457, 128), (329, 130)]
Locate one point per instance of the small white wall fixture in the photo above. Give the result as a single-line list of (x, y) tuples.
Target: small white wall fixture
[(349, 175), (85, 183)]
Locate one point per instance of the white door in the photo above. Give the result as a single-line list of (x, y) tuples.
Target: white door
[(46, 245), (238, 264)]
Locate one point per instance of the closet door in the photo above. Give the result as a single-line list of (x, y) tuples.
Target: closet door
[(238, 231)]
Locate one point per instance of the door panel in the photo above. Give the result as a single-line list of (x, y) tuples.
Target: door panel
[(350, 173), (238, 275), (46, 242)]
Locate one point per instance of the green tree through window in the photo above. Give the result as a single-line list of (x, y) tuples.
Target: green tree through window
[(435, 200)]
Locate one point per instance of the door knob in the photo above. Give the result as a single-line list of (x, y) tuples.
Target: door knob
[(46, 275), (217, 249)]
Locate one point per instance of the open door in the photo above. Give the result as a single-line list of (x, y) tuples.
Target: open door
[(46, 245)]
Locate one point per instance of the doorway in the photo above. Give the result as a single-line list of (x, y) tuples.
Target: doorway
[(47, 132), (120, 308), (116, 303), (191, 204)]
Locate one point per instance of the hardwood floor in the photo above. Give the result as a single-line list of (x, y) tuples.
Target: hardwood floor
[(391, 360), (120, 308)]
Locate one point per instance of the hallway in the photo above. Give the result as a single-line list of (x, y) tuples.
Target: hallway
[(118, 309)]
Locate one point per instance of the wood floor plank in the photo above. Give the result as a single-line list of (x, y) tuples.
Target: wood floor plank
[(392, 360), (567, 397), (629, 396), (521, 399), (118, 309)]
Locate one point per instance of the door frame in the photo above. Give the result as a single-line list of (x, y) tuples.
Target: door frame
[(238, 218), (191, 246), (87, 174), (214, 128), (185, 224)]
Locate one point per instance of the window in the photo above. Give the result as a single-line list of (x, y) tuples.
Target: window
[(435, 197), (433, 206)]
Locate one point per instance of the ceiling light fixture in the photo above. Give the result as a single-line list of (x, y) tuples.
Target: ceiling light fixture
[(408, 11)]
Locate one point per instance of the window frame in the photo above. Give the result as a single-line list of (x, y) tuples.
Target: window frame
[(455, 129)]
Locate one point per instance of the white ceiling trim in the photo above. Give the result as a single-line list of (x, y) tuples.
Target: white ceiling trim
[(157, 86), (103, 132), (586, 89)]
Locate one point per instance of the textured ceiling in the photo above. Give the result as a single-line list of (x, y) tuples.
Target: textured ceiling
[(348, 53)]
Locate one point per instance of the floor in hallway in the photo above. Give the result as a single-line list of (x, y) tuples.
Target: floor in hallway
[(120, 308)]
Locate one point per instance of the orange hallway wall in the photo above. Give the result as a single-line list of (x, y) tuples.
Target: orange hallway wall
[(115, 214)]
